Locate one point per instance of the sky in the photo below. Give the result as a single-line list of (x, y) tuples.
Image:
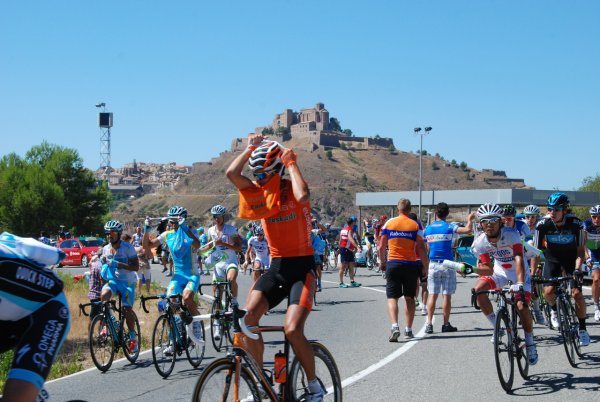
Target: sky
[(508, 85)]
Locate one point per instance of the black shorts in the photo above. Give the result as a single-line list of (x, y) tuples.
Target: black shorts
[(556, 268), (346, 255), (293, 276), (401, 279)]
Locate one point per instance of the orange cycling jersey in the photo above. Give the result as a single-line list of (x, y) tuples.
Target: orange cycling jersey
[(402, 234), (288, 232)]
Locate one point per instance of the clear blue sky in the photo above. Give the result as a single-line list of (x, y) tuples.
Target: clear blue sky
[(509, 85)]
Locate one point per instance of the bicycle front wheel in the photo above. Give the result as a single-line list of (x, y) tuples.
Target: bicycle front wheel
[(566, 331), (102, 343), (327, 374), (163, 346), (520, 349), (195, 351), (131, 354), (503, 350), (216, 325), (574, 328), (217, 383)]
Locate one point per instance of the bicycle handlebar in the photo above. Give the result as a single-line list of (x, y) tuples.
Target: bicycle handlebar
[(82, 309), (496, 291), (577, 276), (144, 299), (224, 283)]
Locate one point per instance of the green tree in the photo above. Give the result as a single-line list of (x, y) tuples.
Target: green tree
[(347, 131), (48, 188), (329, 154), (282, 130), (434, 166), (334, 124), (267, 131), (463, 165)]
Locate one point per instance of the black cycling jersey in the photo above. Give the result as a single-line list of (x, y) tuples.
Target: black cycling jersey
[(559, 244)]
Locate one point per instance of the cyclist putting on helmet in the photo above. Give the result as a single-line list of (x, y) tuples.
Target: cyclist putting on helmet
[(226, 242), (34, 315), (503, 245), (592, 231), (121, 259), (287, 226), (182, 242), (560, 236)]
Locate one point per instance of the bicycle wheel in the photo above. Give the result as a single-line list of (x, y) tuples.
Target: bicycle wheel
[(216, 325), (503, 350), (566, 330), (195, 351), (217, 383), (574, 329), (327, 373), (102, 343), (126, 342), (163, 346), (520, 350)]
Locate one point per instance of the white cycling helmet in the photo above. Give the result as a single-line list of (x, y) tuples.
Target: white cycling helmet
[(489, 211), (595, 210), (218, 210), (177, 212), (266, 158), (531, 210), (113, 225)]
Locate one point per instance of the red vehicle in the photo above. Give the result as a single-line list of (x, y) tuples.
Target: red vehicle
[(79, 251)]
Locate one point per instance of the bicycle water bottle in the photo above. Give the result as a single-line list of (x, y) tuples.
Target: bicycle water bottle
[(115, 322), (457, 266), (280, 367)]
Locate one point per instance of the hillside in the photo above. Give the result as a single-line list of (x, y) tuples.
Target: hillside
[(333, 182)]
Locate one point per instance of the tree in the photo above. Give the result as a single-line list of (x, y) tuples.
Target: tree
[(463, 165), (347, 131), (329, 154), (282, 130), (48, 188), (453, 163), (267, 130), (434, 166), (334, 124)]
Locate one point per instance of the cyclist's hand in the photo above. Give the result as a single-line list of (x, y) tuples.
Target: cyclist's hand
[(288, 157), (146, 224), (516, 288), (589, 262)]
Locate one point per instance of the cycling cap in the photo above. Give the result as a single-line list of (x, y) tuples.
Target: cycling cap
[(177, 211), (113, 225), (531, 210), (509, 210), (558, 199), (266, 158), (489, 211), (595, 210), (218, 210)]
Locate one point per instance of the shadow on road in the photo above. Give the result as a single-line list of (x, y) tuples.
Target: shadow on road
[(548, 383)]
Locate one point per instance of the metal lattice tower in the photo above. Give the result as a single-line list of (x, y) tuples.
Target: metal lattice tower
[(105, 123)]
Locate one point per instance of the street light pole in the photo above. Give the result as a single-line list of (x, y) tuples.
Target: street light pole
[(425, 132)]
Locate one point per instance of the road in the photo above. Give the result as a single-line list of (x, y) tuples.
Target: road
[(353, 324)]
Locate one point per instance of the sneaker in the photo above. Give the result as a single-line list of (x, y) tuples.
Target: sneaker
[(342, 285), (429, 329), (423, 310), (355, 284), (449, 328), (408, 334), (417, 302), (554, 319), (318, 288), (584, 338), (164, 270), (169, 274), (532, 355), (217, 332), (597, 315), (169, 350), (133, 345), (539, 316), (103, 331), (317, 396), (395, 334)]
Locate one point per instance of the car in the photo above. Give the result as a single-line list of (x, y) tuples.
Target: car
[(360, 256), (79, 250), (462, 251)]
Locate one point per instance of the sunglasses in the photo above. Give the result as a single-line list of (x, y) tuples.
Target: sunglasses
[(109, 232), (489, 221), (173, 221), (217, 216), (260, 176), (552, 209), (595, 216), (530, 216)]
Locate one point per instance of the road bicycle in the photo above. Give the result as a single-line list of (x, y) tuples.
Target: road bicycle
[(509, 339), (238, 375), (568, 323), (173, 334), (219, 327), (107, 334), (538, 292)]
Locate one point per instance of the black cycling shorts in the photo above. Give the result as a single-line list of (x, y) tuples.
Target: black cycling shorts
[(289, 276), (346, 255), (401, 279), (554, 268)]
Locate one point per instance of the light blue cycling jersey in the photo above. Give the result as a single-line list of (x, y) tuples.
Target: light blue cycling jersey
[(180, 245)]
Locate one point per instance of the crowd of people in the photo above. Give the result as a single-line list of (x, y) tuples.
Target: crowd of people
[(286, 247)]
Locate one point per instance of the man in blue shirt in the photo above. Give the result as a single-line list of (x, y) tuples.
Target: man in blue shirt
[(439, 236)]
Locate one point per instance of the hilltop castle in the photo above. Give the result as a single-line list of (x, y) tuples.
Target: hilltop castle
[(312, 125)]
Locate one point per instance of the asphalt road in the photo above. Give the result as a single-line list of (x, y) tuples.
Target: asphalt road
[(353, 324)]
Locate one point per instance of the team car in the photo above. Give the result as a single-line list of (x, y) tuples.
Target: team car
[(79, 251)]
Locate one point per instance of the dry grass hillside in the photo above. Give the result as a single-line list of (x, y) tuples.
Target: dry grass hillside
[(333, 182)]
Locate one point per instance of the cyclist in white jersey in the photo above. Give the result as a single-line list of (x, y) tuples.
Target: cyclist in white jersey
[(504, 246), (258, 245), (226, 242)]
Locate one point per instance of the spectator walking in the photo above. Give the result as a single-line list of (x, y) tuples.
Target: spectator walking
[(95, 283)]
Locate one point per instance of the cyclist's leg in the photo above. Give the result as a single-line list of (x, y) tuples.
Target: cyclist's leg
[(596, 286), (485, 283), (189, 294), (525, 313), (257, 305), (551, 269), (127, 292), (232, 273), (256, 273)]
